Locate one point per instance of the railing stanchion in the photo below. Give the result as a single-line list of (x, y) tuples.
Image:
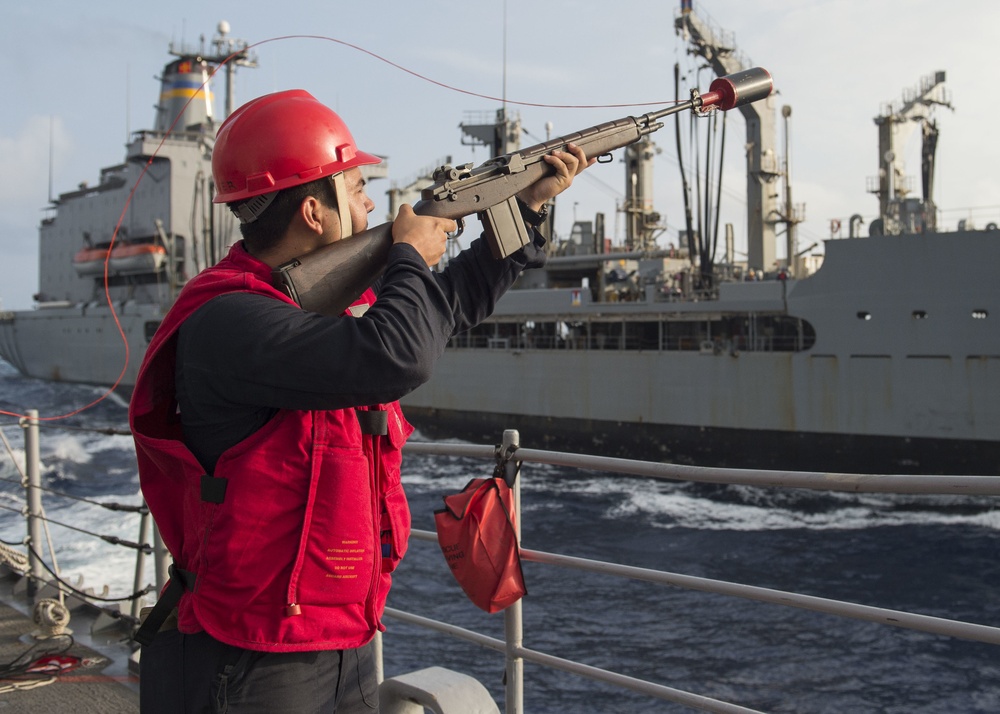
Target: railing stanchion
[(512, 621), (377, 653), (33, 495), (161, 559), (145, 531)]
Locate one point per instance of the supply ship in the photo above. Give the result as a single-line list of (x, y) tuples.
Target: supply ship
[(885, 359)]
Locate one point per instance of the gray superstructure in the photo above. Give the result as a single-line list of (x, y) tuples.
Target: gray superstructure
[(72, 335)]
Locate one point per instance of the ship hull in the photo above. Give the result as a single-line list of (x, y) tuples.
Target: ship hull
[(721, 448), (748, 411), (901, 375), (79, 344)]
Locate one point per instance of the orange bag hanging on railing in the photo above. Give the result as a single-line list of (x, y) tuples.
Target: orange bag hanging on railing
[(477, 536)]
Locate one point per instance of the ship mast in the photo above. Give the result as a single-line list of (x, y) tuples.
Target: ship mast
[(763, 212), (226, 46), (188, 76), (897, 212), (642, 223), (186, 111)]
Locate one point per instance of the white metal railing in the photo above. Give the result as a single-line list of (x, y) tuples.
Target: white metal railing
[(516, 653), (39, 573), (512, 645)]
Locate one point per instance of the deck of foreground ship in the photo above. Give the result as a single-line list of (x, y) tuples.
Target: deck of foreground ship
[(99, 683)]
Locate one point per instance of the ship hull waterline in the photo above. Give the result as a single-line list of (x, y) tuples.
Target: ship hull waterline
[(719, 447)]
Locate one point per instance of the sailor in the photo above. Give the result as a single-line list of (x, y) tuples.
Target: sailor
[(268, 437)]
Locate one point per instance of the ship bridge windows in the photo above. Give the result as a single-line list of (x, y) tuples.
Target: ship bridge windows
[(719, 334)]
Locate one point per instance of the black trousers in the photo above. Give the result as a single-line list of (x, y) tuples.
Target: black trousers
[(196, 674)]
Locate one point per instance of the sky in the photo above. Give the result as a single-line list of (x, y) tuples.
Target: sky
[(81, 76)]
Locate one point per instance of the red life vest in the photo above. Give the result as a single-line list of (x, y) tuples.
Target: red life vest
[(293, 537)]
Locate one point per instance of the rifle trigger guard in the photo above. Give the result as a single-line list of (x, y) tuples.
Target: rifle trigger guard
[(460, 231)]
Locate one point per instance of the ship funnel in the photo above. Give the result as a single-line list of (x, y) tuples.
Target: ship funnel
[(184, 79)]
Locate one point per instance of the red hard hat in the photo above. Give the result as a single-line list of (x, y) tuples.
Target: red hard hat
[(278, 141)]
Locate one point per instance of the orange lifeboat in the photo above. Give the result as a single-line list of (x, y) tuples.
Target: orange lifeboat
[(126, 259), (89, 262)]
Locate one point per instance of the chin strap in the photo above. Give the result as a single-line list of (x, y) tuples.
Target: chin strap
[(343, 206)]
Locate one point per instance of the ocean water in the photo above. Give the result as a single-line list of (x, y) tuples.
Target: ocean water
[(931, 555)]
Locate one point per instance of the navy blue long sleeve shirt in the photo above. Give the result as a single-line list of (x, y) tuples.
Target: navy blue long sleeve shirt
[(241, 357)]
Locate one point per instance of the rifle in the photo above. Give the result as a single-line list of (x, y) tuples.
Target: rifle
[(330, 278)]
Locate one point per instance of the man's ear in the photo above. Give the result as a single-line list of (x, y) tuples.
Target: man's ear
[(311, 214)]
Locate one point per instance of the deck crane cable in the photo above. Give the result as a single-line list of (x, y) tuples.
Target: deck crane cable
[(718, 195), (685, 188)]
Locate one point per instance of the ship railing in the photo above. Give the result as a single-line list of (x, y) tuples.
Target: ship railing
[(512, 646), (45, 580), (175, 135), (515, 651), (614, 340)]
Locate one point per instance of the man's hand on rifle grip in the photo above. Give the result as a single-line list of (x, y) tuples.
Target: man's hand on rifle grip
[(428, 234)]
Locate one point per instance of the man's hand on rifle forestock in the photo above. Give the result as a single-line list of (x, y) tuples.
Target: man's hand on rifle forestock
[(567, 164)]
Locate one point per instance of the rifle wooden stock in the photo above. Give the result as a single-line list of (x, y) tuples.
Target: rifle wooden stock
[(328, 280)]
